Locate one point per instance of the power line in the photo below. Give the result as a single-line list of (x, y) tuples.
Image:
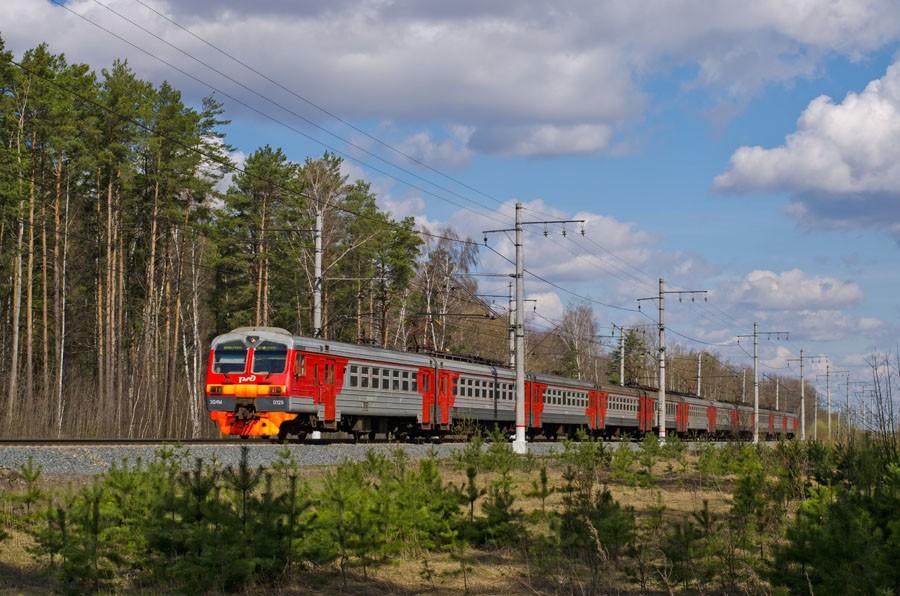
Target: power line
[(561, 288), (322, 109), (267, 116), (307, 120), (223, 163)]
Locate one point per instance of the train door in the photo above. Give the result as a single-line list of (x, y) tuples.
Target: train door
[(596, 409), (534, 403), (438, 390), (328, 378), (646, 413), (711, 418), (425, 383), (682, 414), (446, 396)]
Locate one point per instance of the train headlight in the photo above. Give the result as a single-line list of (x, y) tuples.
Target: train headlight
[(214, 390), (276, 389)]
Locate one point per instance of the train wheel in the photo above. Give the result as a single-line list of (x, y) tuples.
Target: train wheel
[(371, 436)]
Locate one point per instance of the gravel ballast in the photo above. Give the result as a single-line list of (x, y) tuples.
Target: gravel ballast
[(89, 460)]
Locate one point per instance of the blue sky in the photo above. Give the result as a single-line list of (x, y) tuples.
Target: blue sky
[(641, 120)]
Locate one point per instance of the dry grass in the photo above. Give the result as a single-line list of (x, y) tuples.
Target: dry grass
[(20, 572)]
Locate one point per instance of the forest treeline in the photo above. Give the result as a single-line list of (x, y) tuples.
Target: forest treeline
[(128, 239)]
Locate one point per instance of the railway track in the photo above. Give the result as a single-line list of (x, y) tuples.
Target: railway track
[(89, 457)]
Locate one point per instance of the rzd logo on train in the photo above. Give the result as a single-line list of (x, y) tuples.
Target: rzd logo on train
[(249, 379)]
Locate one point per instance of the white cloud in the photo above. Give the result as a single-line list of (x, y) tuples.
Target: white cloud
[(548, 305), (849, 147), (544, 139), (842, 164), (779, 359), (869, 324), (238, 158), (794, 290), (452, 152), (532, 78)]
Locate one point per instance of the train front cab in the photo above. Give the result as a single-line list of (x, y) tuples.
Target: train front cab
[(247, 381)]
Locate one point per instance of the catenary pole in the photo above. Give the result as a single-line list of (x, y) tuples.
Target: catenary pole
[(802, 400), (317, 290), (621, 356), (512, 329), (519, 444), (828, 394), (661, 393), (662, 359), (699, 371), (317, 283), (755, 382), (755, 336)]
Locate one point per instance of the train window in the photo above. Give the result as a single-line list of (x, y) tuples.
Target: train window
[(230, 357), (396, 386), (364, 371), (269, 357), (354, 369), (364, 379), (354, 379), (413, 385), (299, 364), (385, 383), (405, 385)]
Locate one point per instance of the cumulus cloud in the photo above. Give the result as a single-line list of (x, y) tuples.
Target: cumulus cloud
[(529, 77), (794, 290), (777, 359), (451, 152), (842, 164), (544, 139), (869, 324), (548, 305)]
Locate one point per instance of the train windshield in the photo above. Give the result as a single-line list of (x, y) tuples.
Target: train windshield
[(269, 357), (230, 357)]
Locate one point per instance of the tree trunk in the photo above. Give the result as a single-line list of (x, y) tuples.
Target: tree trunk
[(110, 299), (57, 290), (166, 340), (119, 355), (11, 401), (150, 357), (61, 330), (45, 335), (196, 352), (260, 264), (358, 311), (29, 287)]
